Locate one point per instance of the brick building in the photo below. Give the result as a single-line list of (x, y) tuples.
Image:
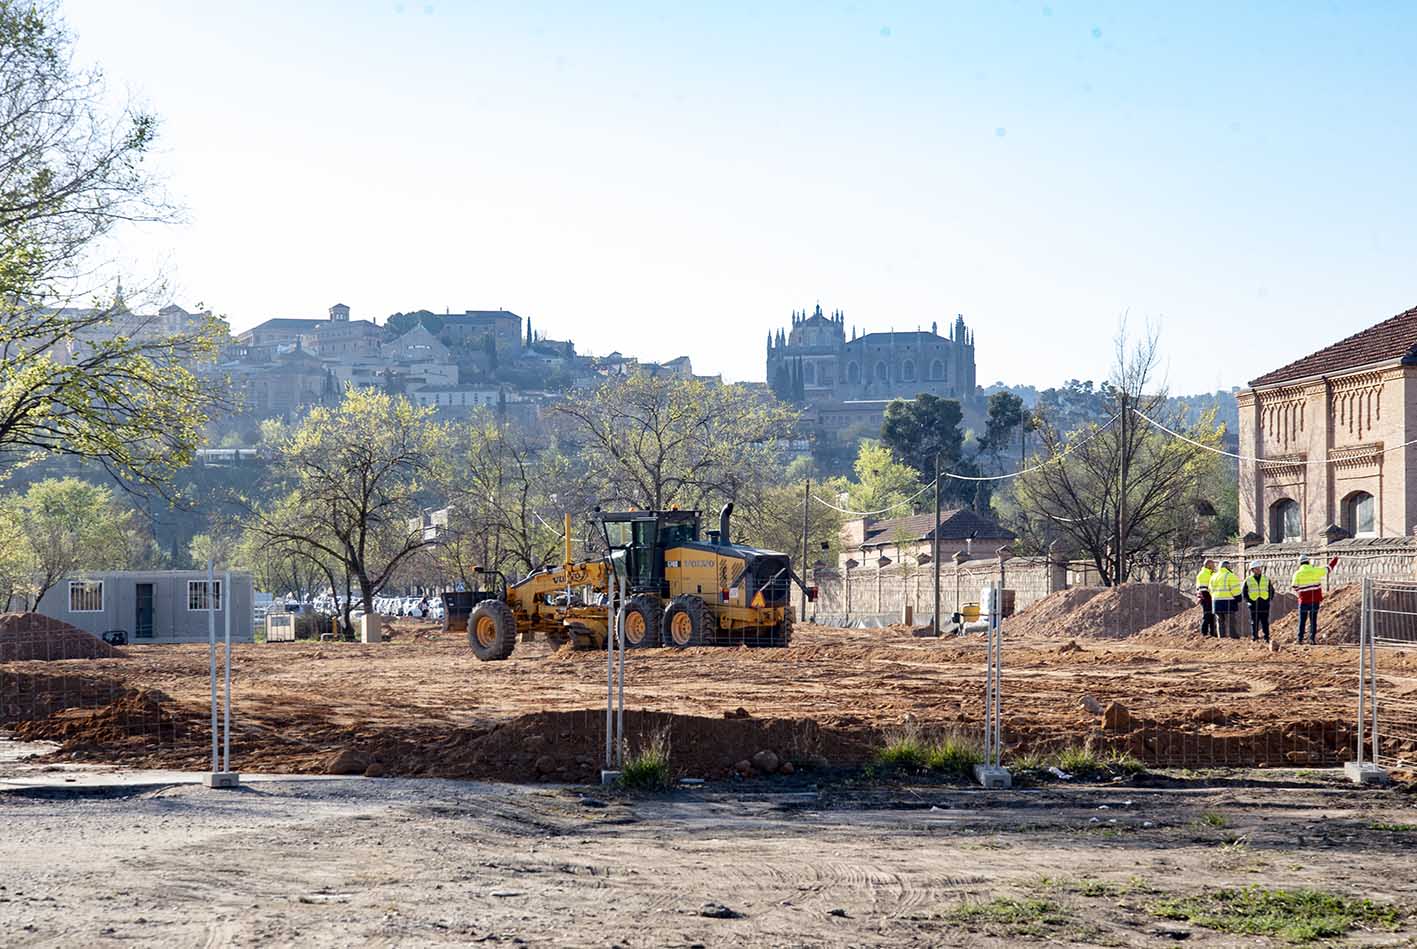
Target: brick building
[(1326, 427)]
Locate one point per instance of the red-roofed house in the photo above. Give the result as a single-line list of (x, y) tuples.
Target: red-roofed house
[(1326, 426), (865, 539)]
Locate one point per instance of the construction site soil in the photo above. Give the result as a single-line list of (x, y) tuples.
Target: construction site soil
[(25, 636), (421, 704)]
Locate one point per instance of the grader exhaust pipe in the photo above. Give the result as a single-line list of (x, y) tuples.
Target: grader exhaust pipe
[(723, 517)]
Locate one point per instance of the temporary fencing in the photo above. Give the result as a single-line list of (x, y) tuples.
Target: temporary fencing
[(1147, 684), (1387, 680), (62, 685), (94, 697)]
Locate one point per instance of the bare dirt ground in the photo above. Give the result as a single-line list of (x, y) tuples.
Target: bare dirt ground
[(426, 862), (422, 705)]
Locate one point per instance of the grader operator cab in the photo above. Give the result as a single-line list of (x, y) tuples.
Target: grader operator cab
[(681, 590)]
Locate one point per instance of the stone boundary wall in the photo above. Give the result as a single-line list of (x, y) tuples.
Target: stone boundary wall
[(1380, 558), (877, 596)]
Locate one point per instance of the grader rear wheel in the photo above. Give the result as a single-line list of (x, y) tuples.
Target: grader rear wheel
[(686, 622), (492, 630)]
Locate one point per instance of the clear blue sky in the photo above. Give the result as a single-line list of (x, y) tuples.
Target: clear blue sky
[(672, 178)]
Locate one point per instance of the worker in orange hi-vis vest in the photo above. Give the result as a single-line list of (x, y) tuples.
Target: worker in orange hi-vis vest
[(1309, 588)]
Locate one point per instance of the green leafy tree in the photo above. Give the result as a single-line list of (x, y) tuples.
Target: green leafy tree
[(218, 548), (16, 558), (356, 475), (1006, 416), (881, 482), (288, 565), (69, 525), (919, 430), (91, 381)]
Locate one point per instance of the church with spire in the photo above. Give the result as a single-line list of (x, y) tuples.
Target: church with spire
[(815, 362)]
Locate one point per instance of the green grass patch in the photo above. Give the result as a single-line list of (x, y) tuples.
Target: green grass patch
[(1212, 819), (1083, 761), (1393, 828), (648, 768), (1096, 889), (912, 750), (1296, 916), (1011, 917)]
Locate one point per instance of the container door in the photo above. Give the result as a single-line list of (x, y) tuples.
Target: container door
[(143, 622)]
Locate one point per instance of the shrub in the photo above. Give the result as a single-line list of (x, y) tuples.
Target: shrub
[(648, 768), (911, 750)]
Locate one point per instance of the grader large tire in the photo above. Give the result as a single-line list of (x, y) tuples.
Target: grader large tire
[(686, 622), (781, 636), (492, 630), (639, 620)]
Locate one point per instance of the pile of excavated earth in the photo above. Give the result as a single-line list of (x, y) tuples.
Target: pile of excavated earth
[(1157, 612), (31, 636)]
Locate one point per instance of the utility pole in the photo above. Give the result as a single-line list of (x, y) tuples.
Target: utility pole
[(806, 511), (1122, 488), (935, 548)]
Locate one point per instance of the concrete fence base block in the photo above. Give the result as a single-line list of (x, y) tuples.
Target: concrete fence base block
[(1365, 773), (609, 777), (993, 776), (222, 779)]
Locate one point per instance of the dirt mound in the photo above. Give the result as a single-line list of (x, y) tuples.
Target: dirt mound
[(1186, 624), (34, 636), (27, 696), (570, 746), (1341, 616), (1048, 615), (136, 720), (1105, 612), (1126, 610)]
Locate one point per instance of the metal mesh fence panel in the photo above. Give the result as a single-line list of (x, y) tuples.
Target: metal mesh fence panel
[(121, 697), (1128, 673), (1390, 719), (70, 694)]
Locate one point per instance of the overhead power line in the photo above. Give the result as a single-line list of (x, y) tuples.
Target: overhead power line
[(960, 477)]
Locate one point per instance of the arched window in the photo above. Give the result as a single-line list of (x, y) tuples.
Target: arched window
[(907, 370), (881, 374), (937, 370), (809, 374), (1285, 525), (853, 373), (1360, 515)]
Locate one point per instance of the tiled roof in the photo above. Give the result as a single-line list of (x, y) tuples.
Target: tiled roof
[(1390, 339), (956, 524)]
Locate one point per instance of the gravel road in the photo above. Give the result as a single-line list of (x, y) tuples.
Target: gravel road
[(430, 862)]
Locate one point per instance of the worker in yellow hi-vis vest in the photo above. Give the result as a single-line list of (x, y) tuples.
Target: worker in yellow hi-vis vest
[(1225, 600), (1258, 597), (1203, 597)]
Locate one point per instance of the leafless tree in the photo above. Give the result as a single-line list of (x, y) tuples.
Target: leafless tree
[(1117, 490)]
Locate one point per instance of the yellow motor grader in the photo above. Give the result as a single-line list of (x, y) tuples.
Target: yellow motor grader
[(680, 590)]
